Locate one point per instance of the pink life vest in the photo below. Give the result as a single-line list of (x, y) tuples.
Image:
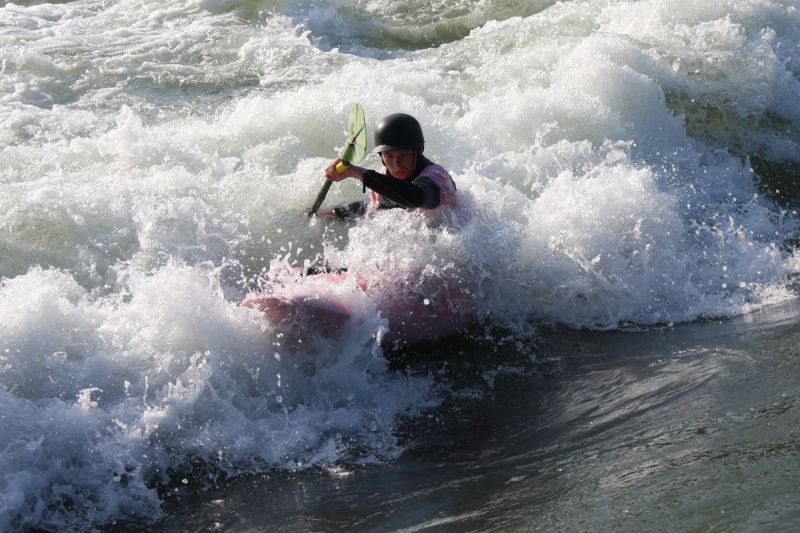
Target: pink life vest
[(447, 188)]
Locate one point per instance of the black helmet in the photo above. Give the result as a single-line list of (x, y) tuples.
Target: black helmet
[(398, 132)]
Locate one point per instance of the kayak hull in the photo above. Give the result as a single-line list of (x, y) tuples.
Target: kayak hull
[(319, 304)]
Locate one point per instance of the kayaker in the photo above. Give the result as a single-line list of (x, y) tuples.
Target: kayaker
[(408, 179), (418, 307)]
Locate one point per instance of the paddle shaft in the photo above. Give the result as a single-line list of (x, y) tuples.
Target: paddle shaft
[(320, 197), (356, 127), (323, 192)]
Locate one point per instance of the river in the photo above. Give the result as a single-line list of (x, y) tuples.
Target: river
[(626, 231)]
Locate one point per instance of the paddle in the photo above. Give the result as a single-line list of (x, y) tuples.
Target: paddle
[(354, 152)]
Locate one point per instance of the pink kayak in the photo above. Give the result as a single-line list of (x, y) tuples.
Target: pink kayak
[(416, 312)]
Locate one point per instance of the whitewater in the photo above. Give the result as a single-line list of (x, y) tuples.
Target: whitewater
[(625, 174)]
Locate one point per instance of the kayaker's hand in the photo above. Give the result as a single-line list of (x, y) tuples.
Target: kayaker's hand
[(326, 213), (351, 171)]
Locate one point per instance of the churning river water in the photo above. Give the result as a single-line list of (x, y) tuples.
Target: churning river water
[(627, 227)]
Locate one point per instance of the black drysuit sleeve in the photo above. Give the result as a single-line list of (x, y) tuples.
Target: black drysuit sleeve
[(421, 192)]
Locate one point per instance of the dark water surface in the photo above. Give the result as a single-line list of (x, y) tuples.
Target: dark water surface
[(692, 428)]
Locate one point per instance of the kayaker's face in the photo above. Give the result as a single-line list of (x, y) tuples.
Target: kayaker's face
[(400, 163)]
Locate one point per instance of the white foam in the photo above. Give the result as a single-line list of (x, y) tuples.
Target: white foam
[(129, 388), (155, 169)]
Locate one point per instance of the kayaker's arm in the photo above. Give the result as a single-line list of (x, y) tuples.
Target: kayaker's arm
[(421, 192)]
